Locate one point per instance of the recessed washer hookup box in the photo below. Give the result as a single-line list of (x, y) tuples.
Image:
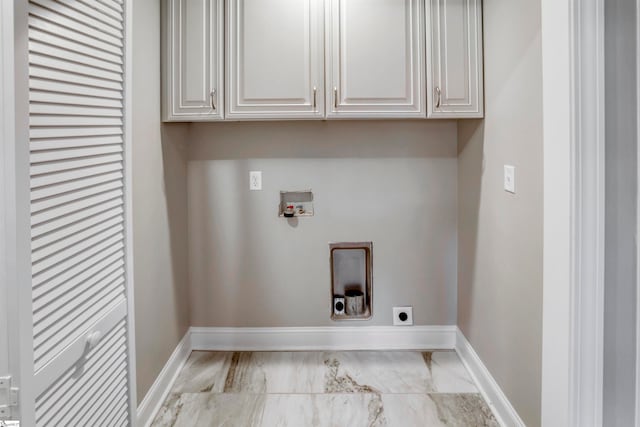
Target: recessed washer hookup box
[(352, 277)]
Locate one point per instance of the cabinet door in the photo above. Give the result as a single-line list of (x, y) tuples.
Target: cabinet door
[(193, 63), (275, 59), (375, 55), (455, 60)]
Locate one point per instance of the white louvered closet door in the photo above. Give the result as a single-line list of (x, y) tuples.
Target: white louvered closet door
[(79, 241)]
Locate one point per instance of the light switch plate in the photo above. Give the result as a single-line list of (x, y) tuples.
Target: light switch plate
[(510, 178), (255, 180)]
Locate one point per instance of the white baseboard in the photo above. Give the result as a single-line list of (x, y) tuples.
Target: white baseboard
[(158, 392), (491, 391), (324, 338)]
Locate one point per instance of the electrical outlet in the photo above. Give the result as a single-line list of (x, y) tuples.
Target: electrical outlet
[(255, 180), (510, 178), (403, 316)]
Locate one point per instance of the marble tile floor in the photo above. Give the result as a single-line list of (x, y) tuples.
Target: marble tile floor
[(324, 388)]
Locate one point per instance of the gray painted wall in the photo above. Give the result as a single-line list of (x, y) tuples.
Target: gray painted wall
[(500, 234), (159, 208), (620, 212), (393, 183)]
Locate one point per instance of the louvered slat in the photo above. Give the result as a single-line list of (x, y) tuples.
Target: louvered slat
[(66, 317), (67, 84), (66, 274), (72, 218), (89, 12), (48, 346), (44, 61), (38, 181), (54, 28), (87, 278), (51, 407), (76, 108), (115, 5), (76, 100), (73, 46), (57, 109), (53, 11), (70, 55), (66, 198), (102, 417), (87, 271), (56, 391), (103, 8), (56, 216), (116, 403), (46, 245), (102, 386), (73, 121), (74, 250), (78, 142), (59, 247), (40, 69), (105, 373), (79, 151), (59, 189), (56, 167), (68, 132), (114, 276)]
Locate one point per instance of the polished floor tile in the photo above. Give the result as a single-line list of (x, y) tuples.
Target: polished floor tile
[(276, 372), (211, 409), (396, 372), (438, 410), (447, 373), (353, 410), (204, 371), (318, 389)]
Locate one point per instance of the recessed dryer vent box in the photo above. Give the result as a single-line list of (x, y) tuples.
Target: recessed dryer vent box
[(352, 279)]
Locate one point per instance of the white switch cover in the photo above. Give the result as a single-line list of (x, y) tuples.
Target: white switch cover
[(510, 178), (255, 180)]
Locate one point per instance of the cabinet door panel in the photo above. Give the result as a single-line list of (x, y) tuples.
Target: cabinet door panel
[(376, 59), (275, 59), (193, 62), (455, 69)]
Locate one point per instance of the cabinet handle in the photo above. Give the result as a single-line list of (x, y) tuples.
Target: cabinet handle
[(93, 339), (438, 97), (315, 97), (335, 97), (213, 102)]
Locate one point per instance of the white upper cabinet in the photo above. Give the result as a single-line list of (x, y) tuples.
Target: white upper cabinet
[(275, 59), (454, 71), (316, 59), (193, 64), (375, 58)]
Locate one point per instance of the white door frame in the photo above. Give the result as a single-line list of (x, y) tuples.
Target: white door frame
[(14, 202), (6, 126), (573, 289), (128, 203), (18, 211), (637, 408)]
